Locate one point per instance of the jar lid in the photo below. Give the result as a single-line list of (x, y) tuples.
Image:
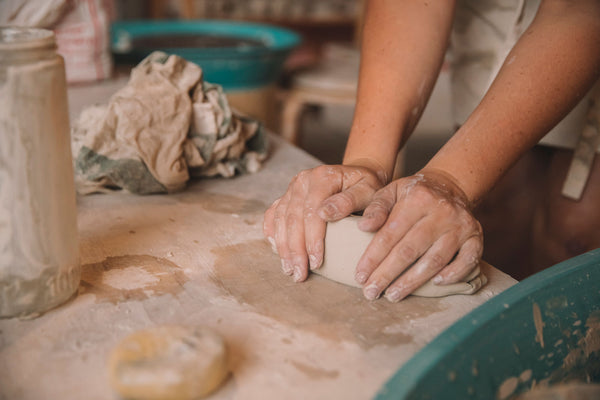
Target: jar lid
[(14, 38)]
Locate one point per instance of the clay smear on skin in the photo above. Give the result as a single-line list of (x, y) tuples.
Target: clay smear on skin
[(145, 275), (250, 272)]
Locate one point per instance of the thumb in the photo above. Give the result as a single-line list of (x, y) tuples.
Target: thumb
[(340, 205)]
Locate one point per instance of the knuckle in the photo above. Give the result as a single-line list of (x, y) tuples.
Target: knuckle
[(467, 220), (293, 220), (474, 232), (385, 238), (421, 193), (345, 200), (436, 262), (309, 212), (386, 277), (379, 204), (370, 264), (303, 176), (469, 225), (420, 197), (477, 250), (407, 253), (323, 171)]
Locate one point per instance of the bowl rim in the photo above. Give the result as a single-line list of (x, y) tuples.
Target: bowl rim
[(273, 38)]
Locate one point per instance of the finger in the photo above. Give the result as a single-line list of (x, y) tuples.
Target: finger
[(430, 263), (327, 181), (466, 261), (269, 225), (357, 188), (377, 212), (402, 255), (314, 230), (281, 234), (295, 224), (391, 233), (344, 203)]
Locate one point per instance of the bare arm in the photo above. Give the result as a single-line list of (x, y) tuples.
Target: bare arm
[(548, 71), (424, 227), (403, 48)]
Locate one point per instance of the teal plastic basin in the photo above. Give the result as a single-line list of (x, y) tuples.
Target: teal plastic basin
[(240, 67), (546, 327)]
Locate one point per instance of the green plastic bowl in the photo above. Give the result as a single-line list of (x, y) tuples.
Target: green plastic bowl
[(256, 62), (523, 335)]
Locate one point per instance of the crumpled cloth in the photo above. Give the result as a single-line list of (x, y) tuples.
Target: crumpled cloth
[(165, 126), (35, 13)]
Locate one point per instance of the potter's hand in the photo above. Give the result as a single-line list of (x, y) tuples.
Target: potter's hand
[(295, 223), (424, 230)]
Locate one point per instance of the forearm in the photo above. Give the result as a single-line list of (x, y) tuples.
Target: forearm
[(548, 71), (403, 47)]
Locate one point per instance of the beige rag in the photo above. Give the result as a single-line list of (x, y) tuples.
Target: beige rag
[(163, 126)]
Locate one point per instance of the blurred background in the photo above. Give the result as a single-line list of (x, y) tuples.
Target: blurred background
[(303, 90)]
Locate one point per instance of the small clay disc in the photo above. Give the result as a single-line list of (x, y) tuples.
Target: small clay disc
[(168, 362)]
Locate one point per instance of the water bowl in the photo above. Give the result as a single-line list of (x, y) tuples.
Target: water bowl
[(236, 55)]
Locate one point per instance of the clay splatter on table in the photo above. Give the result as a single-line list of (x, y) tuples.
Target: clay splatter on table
[(131, 277), (329, 309)]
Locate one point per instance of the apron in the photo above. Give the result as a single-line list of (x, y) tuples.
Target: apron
[(484, 32)]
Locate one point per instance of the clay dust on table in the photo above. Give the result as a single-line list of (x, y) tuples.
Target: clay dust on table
[(251, 273), (131, 277)]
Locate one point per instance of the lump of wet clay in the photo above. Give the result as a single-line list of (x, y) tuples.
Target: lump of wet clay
[(168, 362), (345, 244)]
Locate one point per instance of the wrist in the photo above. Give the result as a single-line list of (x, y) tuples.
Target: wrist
[(371, 164), (446, 182)]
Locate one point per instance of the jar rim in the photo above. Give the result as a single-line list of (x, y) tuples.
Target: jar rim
[(14, 38)]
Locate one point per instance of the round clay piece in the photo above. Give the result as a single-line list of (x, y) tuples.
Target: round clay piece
[(168, 362)]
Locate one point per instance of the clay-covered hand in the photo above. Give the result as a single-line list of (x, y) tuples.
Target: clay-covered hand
[(424, 229), (295, 223)]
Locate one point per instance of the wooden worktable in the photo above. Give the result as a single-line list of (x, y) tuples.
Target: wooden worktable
[(198, 257)]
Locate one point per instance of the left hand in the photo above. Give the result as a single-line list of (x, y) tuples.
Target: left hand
[(424, 229)]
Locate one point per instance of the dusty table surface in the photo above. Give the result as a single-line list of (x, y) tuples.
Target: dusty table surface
[(199, 258)]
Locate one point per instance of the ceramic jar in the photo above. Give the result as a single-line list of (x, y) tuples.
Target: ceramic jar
[(39, 250)]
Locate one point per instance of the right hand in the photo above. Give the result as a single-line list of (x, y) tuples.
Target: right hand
[(295, 223)]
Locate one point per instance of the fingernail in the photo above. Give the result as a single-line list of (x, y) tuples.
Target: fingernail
[(364, 224), (371, 292), (361, 277), (297, 273), (393, 295), (329, 211), (273, 246), (437, 279), (285, 266), (313, 261)]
